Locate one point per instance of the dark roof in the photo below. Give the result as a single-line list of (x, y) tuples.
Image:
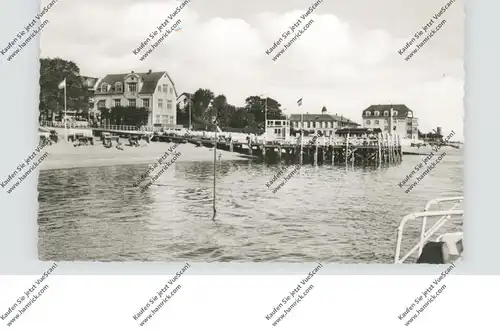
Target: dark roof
[(400, 108), (89, 81), (188, 95), (150, 81), (321, 117)]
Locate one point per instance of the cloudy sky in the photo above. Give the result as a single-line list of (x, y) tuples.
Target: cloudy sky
[(347, 60)]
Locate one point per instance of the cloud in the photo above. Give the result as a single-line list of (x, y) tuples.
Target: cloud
[(335, 63)]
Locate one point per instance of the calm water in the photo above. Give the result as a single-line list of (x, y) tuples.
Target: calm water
[(324, 213)]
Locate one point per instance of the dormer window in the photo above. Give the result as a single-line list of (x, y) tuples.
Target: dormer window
[(377, 113), (118, 87), (386, 113), (410, 114), (394, 113), (368, 113), (104, 87)]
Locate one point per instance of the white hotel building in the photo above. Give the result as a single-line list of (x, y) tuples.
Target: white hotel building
[(154, 91)]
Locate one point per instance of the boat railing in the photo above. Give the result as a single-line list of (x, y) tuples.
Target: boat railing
[(424, 233)]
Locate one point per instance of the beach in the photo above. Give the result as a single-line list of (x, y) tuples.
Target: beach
[(64, 155)]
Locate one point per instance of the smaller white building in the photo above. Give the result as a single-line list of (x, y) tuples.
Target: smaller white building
[(278, 130)]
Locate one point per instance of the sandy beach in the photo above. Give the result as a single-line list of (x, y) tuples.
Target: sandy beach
[(65, 155)]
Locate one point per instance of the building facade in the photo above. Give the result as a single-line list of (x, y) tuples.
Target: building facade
[(91, 84), (313, 124), (184, 99), (392, 119), (155, 91)]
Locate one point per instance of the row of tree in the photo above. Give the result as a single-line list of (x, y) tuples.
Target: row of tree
[(248, 118)]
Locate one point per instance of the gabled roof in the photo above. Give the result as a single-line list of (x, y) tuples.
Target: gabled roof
[(358, 130), (402, 110), (150, 80), (321, 117)]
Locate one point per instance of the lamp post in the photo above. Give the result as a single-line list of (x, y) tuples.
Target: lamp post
[(190, 103), (265, 112)]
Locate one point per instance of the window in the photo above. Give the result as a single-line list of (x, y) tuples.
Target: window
[(165, 86), (377, 113), (172, 119), (394, 113), (368, 113), (160, 103), (104, 87), (171, 91), (367, 122), (117, 102), (131, 103), (376, 122), (118, 87), (386, 128), (159, 88), (277, 123), (132, 87), (145, 103), (169, 104), (385, 121), (386, 113), (157, 119), (101, 104)]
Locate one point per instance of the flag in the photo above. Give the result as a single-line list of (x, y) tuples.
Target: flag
[(299, 102), (62, 85)]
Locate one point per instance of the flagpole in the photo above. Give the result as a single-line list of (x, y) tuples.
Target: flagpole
[(265, 118), (65, 119), (215, 158)]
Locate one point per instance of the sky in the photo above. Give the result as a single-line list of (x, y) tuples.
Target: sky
[(346, 60)]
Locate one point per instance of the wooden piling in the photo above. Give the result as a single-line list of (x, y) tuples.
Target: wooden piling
[(379, 139)]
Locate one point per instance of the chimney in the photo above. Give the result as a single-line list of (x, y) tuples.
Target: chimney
[(132, 71), (150, 71), (323, 110)]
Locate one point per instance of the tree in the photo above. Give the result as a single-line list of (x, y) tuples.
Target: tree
[(52, 73), (129, 116)]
